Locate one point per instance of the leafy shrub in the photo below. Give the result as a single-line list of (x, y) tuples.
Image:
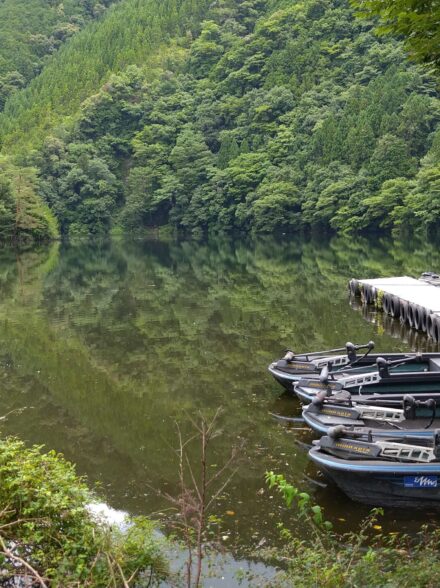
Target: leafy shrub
[(47, 530)]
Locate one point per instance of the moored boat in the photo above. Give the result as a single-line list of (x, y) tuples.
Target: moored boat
[(293, 366), (381, 472), (417, 374), (415, 418)]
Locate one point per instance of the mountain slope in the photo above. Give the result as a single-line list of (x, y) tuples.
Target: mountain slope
[(270, 115), (32, 30), (130, 32), (282, 116)]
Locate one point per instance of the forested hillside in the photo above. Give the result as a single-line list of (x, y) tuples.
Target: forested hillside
[(233, 115), (32, 30)]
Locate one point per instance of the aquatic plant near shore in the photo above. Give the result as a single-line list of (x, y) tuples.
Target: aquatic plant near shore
[(367, 557)]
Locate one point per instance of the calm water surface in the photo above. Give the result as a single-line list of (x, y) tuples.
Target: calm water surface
[(108, 345)]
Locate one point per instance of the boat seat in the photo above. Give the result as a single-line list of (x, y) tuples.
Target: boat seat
[(434, 365)]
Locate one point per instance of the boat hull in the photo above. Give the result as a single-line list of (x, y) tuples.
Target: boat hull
[(285, 379), (288, 374), (383, 483)]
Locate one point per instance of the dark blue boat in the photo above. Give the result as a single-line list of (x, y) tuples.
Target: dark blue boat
[(414, 418), (293, 367), (416, 374), (391, 472)]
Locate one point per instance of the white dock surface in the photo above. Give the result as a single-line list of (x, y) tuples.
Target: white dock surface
[(409, 289)]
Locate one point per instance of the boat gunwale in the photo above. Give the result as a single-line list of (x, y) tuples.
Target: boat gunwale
[(371, 467)]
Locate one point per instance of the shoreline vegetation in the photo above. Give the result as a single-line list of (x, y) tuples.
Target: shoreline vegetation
[(367, 557), (242, 115), (49, 537)]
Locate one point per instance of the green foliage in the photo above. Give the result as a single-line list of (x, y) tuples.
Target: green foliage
[(45, 522), (32, 30), (23, 217), (90, 190), (366, 557), (312, 513), (129, 34), (416, 20), (291, 128), (7, 210), (243, 114)]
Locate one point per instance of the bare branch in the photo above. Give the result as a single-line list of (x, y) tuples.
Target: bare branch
[(121, 573), (220, 490), (196, 488), (222, 470), (8, 553)]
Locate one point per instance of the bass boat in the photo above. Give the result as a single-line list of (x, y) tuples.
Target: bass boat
[(395, 472), (293, 366), (416, 374), (415, 418)]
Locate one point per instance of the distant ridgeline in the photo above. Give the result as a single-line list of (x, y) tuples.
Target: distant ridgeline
[(246, 115)]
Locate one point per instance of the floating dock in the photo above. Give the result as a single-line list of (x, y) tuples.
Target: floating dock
[(414, 302)]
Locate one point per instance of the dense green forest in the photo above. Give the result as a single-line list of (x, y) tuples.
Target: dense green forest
[(261, 115), (32, 30), (416, 20)]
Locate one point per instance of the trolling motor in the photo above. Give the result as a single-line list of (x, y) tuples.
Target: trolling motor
[(324, 375), (350, 353), (289, 356), (383, 367)]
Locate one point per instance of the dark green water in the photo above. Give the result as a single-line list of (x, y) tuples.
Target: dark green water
[(108, 345)]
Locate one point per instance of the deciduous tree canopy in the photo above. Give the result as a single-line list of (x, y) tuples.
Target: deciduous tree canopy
[(417, 20)]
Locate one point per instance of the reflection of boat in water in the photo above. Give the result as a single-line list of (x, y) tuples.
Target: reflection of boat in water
[(417, 374), (381, 471)]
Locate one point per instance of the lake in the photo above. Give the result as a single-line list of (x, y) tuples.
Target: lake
[(106, 346)]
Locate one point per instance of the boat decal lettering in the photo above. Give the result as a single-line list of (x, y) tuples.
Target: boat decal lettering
[(421, 481), (320, 385), (298, 364), (352, 447), (337, 412)]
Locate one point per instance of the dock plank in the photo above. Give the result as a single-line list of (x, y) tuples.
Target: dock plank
[(410, 290)]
